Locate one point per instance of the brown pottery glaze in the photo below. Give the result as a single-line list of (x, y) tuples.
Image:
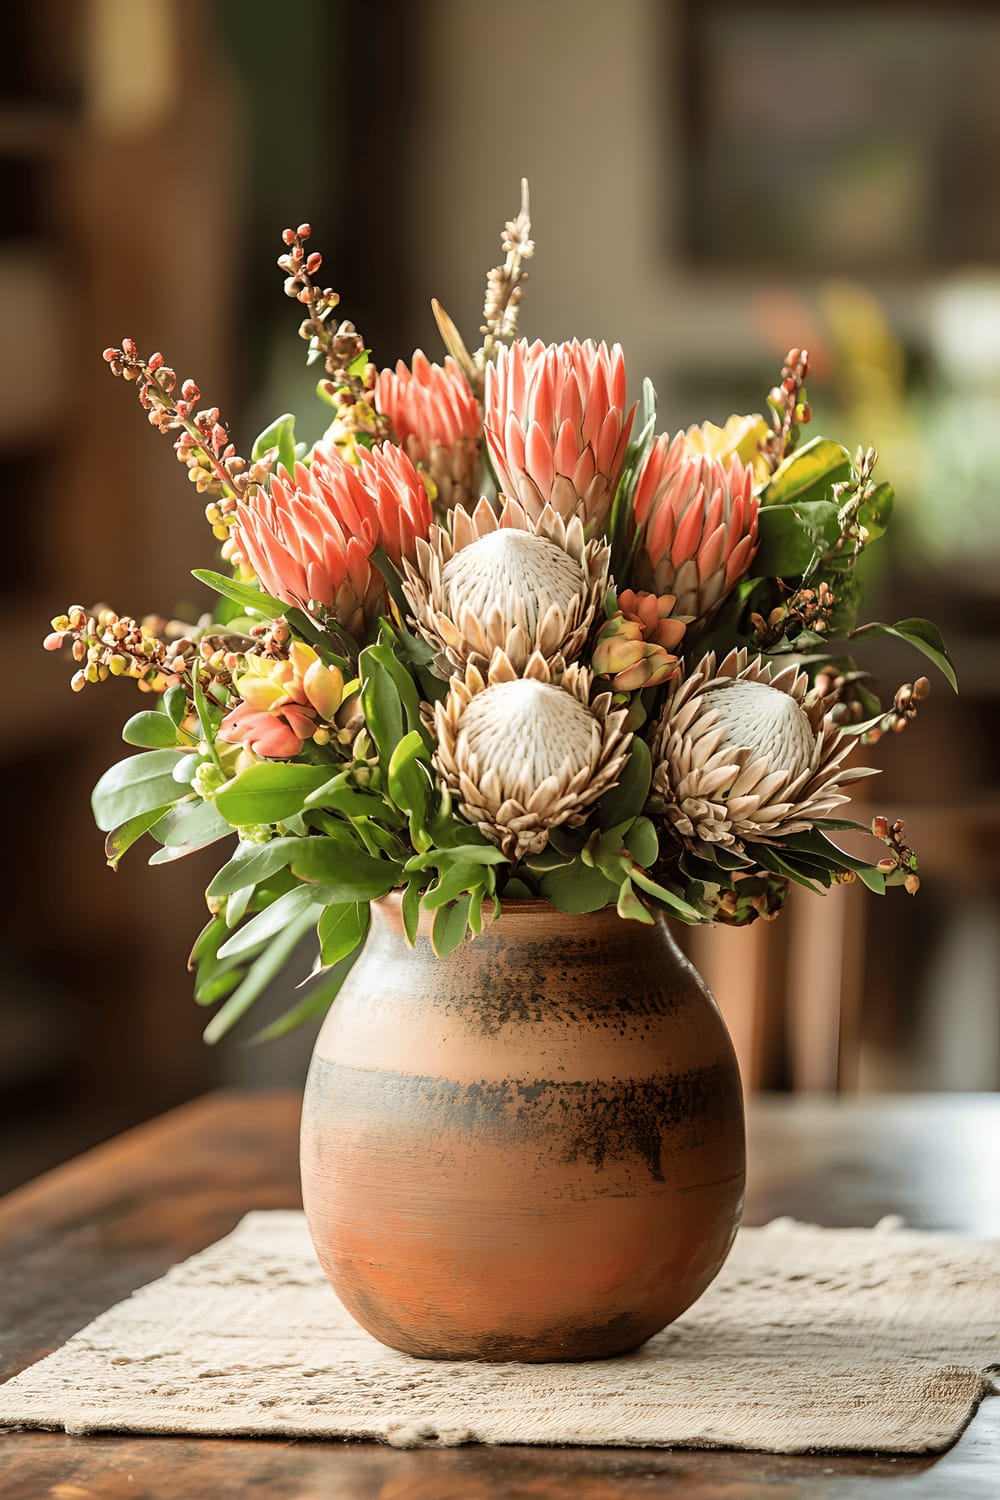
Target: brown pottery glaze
[(531, 1150)]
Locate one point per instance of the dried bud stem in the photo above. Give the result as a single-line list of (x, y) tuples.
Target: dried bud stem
[(789, 408)]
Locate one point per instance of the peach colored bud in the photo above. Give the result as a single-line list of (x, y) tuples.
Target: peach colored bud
[(304, 231), (886, 866), (313, 263), (288, 235), (54, 641), (880, 827), (130, 347), (921, 689), (911, 884), (78, 681)]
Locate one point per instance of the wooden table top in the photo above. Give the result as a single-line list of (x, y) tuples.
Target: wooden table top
[(84, 1236)]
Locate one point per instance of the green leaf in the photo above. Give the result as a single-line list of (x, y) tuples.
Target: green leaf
[(153, 731), (269, 792), (380, 704), (259, 976), (827, 854), (922, 634), (874, 514), (245, 594), (360, 363), (251, 864), (577, 888), (175, 704), (134, 786), (236, 906), (467, 854), (630, 907), (642, 842), (209, 719), (455, 879), (340, 796), (626, 800), (677, 904), (346, 873), (271, 922), (410, 786), (791, 536), (411, 909), (450, 926), (389, 699), (121, 839), (316, 1002), (280, 435), (187, 827), (808, 474), (341, 929)]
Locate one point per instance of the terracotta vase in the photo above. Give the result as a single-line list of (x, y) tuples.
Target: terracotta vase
[(531, 1150)]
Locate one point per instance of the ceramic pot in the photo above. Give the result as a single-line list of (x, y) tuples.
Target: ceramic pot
[(531, 1150)]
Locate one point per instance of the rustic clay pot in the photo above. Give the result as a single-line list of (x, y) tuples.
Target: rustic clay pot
[(531, 1150)]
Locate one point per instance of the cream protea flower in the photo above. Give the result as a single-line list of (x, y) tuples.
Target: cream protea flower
[(700, 525), (505, 584), (557, 427), (741, 756), (437, 420), (521, 754)]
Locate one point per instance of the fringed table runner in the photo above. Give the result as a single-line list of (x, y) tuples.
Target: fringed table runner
[(809, 1339)]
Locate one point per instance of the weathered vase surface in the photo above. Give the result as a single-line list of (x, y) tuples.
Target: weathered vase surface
[(530, 1150)]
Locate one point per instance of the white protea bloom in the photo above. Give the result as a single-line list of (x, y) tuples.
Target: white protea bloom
[(522, 753), (742, 756), (505, 583)]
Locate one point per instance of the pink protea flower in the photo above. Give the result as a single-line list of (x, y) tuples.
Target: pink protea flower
[(309, 539), (284, 703), (402, 509), (637, 644), (700, 525), (437, 420), (557, 427)]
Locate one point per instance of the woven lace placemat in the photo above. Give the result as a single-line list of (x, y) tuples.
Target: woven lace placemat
[(809, 1339)]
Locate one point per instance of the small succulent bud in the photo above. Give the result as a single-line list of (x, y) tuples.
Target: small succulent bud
[(911, 884)]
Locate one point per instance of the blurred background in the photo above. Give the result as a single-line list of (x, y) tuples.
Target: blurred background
[(711, 182)]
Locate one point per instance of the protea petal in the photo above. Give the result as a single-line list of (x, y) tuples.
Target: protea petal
[(740, 759), (436, 418), (557, 428), (310, 538), (522, 754), (503, 583), (699, 519)]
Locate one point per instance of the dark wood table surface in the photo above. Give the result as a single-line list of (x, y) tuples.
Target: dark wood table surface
[(82, 1237)]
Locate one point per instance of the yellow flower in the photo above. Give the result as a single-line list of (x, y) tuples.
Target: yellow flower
[(741, 438)]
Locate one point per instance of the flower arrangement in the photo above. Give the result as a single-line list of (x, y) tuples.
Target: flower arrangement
[(491, 638)]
